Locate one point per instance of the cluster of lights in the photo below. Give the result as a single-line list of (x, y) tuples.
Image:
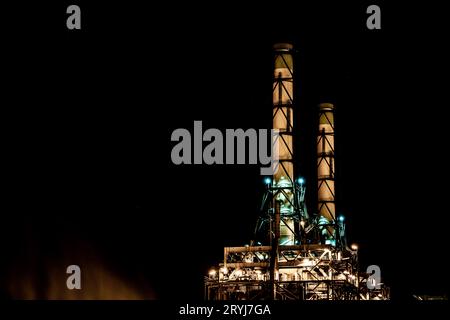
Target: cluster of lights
[(218, 274), (268, 181)]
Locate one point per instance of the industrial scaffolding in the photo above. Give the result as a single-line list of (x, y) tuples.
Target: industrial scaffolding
[(294, 255)]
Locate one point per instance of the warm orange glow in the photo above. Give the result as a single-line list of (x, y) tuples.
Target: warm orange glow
[(46, 280)]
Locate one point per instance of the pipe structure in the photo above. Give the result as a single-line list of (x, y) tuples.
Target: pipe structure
[(325, 173), (283, 178)]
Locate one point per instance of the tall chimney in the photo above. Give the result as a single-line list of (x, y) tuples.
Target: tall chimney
[(283, 122), (325, 171)]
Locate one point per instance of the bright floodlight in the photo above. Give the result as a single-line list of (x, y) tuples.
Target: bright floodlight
[(341, 218), (301, 181), (354, 246), (267, 180)]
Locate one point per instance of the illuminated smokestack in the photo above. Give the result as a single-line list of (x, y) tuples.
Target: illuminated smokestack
[(325, 170), (283, 121), (282, 109)]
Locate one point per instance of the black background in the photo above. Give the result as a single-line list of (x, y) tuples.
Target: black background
[(87, 117)]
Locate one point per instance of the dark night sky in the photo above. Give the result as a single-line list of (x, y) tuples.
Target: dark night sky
[(87, 119)]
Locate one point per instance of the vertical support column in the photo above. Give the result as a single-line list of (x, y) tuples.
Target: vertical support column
[(274, 252), (325, 172)]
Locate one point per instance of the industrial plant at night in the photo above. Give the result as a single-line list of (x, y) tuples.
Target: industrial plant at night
[(296, 254), (279, 160)]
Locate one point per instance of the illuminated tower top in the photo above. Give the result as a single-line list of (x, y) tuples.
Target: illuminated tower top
[(283, 111)]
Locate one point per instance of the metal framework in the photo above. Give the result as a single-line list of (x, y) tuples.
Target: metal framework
[(303, 272), (294, 255)]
